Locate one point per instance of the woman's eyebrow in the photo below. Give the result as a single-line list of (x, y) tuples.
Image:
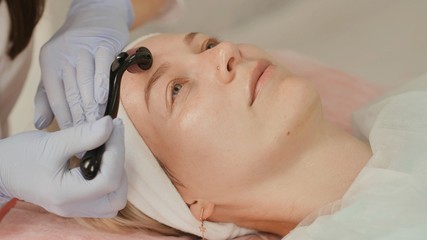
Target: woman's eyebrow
[(156, 75), (189, 37)]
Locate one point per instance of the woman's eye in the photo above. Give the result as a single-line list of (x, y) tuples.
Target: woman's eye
[(175, 90), (211, 43)]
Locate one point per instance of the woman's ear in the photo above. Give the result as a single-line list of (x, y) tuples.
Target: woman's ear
[(202, 209)]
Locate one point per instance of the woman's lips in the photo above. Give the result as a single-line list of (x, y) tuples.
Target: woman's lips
[(258, 79)]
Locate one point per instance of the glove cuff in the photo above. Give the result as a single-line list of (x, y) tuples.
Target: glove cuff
[(129, 13), (4, 199), (122, 7), (3, 191)]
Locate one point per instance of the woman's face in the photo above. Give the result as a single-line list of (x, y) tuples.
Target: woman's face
[(220, 116)]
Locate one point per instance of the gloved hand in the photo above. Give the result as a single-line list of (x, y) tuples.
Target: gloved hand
[(94, 32), (33, 168)]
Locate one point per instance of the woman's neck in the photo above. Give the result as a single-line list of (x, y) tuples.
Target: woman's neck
[(320, 176)]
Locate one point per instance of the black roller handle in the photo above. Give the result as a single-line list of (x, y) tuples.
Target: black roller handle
[(91, 161)]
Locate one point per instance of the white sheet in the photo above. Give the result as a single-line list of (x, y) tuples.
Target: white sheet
[(388, 199)]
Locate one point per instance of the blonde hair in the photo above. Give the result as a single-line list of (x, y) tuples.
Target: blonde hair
[(132, 219), (129, 219)]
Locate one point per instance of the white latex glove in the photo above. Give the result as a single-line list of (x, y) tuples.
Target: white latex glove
[(33, 168), (82, 50)]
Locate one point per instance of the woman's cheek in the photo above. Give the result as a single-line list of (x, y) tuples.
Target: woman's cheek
[(189, 119)]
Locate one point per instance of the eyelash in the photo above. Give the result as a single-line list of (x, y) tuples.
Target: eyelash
[(172, 88), (210, 41)]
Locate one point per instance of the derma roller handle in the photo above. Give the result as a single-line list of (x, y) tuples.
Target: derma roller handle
[(91, 162)]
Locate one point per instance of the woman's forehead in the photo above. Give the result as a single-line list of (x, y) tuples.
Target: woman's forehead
[(159, 39), (168, 38)]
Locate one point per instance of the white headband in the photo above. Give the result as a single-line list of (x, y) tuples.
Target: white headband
[(152, 192)]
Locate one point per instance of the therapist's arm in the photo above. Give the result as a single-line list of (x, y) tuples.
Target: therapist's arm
[(145, 11)]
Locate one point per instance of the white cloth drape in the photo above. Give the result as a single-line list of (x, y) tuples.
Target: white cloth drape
[(388, 199)]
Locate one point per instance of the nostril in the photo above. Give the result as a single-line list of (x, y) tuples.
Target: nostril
[(230, 64)]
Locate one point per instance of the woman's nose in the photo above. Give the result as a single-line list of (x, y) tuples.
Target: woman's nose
[(228, 58)]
